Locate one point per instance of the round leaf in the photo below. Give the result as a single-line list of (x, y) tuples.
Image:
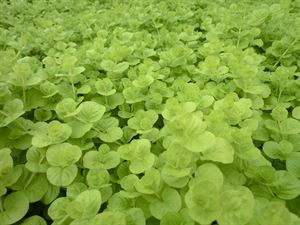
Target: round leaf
[(286, 186), (96, 178), (86, 205), (58, 132), (62, 176), (64, 154), (90, 112), (34, 220), (293, 164), (237, 206), (170, 202), (15, 207)]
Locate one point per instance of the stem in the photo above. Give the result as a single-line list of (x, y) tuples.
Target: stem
[(280, 129), (279, 123), (72, 83), (29, 180), (24, 96), (118, 143), (19, 52), (157, 31), (279, 95), (63, 219), (271, 192), (239, 38), (157, 195), (24, 91), (95, 129), (3, 113), (42, 159), (284, 53), (73, 88)]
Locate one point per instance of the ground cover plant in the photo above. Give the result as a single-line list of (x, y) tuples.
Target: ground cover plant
[(139, 112)]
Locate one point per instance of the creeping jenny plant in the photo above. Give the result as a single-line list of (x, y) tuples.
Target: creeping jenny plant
[(139, 112)]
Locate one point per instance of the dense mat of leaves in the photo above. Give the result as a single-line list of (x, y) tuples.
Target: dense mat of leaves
[(139, 112)]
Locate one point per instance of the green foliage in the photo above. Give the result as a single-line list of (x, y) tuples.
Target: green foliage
[(138, 154), (140, 112)]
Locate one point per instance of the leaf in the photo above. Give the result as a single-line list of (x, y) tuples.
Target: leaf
[(105, 87), (101, 160), (34, 220), (201, 143), (40, 140), (79, 129), (75, 189), (15, 207), (42, 114), (110, 218), (278, 151), (237, 206), (13, 177), (203, 202), (274, 213), (64, 154), (112, 134), (171, 219), (58, 132), (286, 185), (97, 178), (143, 120), (66, 107), (178, 161), (210, 172), (293, 164), (279, 113), (84, 89), (118, 203), (121, 67), (11, 111), (290, 126), (143, 81), (266, 174), (296, 112), (138, 153), (57, 209), (108, 65), (221, 151), (106, 123), (133, 95), (149, 183), (62, 177), (23, 75), (6, 162), (81, 222), (170, 202), (51, 194), (174, 110), (86, 205), (135, 216), (175, 181), (48, 89), (89, 112), (37, 188), (36, 160)]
